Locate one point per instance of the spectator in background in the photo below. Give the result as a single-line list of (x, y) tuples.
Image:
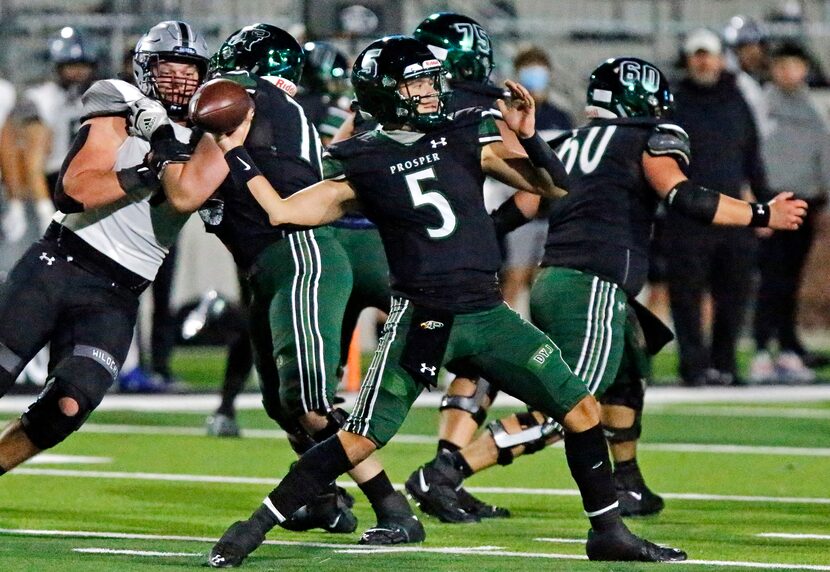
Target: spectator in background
[(796, 152), (725, 147), (524, 246), (747, 59), (49, 116)]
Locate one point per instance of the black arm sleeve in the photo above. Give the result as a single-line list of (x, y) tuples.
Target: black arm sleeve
[(543, 157), (694, 201), (64, 202)]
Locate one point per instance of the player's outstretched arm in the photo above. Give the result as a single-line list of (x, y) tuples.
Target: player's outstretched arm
[(188, 185), (315, 205), (664, 175), (539, 171), (87, 175)]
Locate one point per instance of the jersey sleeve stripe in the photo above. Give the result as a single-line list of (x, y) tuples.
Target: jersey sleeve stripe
[(490, 139)]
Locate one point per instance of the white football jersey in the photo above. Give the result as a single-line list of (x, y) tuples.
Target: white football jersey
[(60, 110), (132, 232)]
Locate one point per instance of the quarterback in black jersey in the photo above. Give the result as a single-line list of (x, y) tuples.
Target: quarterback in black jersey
[(441, 246), (620, 166)]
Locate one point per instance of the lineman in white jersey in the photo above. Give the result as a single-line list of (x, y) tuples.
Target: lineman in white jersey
[(78, 287)]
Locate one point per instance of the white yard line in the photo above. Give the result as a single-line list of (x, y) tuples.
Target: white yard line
[(790, 536), (655, 395), (352, 549), (430, 440), (134, 552), (173, 477)]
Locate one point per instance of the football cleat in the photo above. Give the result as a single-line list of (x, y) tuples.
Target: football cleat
[(478, 507), (435, 494), (401, 529), (242, 538), (639, 501), (620, 544), (220, 425), (329, 511)]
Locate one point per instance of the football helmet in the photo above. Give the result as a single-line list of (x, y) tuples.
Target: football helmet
[(326, 69), (461, 43), (68, 47), (630, 87), (383, 66), (263, 50), (170, 41)]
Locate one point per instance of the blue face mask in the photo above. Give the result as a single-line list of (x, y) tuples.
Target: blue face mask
[(534, 78)]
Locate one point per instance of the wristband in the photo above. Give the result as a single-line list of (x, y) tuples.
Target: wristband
[(241, 165), (760, 214), (138, 182), (543, 157)]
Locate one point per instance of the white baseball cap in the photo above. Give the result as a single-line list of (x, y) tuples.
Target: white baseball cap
[(702, 39)]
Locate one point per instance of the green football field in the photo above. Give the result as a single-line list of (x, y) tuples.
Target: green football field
[(747, 485)]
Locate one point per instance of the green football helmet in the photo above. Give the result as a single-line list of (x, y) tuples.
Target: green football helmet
[(261, 49), (630, 87), (383, 67), (326, 69), (461, 43)]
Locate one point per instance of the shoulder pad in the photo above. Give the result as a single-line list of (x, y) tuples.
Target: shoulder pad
[(109, 97), (669, 139)]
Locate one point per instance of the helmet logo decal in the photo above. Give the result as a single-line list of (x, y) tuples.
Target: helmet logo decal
[(248, 38), (473, 36), (416, 68), (647, 75), (369, 63)]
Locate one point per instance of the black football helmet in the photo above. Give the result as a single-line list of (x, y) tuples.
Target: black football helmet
[(630, 87), (461, 43), (263, 50), (326, 69), (169, 41), (387, 63)]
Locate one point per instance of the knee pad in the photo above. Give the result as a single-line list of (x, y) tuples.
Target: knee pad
[(533, 435), (301, 440), (474, 404), (82, 378), (624, 434)]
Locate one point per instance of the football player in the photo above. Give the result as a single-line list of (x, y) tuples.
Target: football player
[(300, 280), (78, 287), (420, 178), (622, 164)]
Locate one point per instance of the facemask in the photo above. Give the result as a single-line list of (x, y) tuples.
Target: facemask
[(534, 78)]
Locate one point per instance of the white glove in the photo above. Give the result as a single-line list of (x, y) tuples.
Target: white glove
[(146, 115), (14, 221)]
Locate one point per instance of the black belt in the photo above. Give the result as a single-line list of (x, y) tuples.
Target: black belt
[(92, 260)]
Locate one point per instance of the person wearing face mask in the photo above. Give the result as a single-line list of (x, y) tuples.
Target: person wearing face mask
[(524, 246), (725, 146)]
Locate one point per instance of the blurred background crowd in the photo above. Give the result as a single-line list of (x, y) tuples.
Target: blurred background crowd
[(750, 89)]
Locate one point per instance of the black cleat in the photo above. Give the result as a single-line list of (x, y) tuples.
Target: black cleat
[(329, 511), (620, 544), (436, 495), (636, 499), (402, 529), (242, 538), (478, 507)]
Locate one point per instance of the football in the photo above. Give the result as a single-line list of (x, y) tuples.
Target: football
[(220, 106)]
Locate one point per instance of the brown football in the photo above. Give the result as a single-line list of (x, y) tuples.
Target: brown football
[(220, 106)]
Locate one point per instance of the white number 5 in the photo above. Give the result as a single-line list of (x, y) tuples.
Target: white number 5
[(433, 198)]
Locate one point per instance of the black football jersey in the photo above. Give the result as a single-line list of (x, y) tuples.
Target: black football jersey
[(424, 193), (603, 226), (285, 147)]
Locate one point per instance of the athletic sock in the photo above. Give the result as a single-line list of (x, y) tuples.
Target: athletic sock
[(376, 490), (587, 455), (312, 474), (461, 463), (444, 445)]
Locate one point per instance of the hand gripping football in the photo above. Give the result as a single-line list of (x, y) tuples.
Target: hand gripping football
[(220, 106)]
